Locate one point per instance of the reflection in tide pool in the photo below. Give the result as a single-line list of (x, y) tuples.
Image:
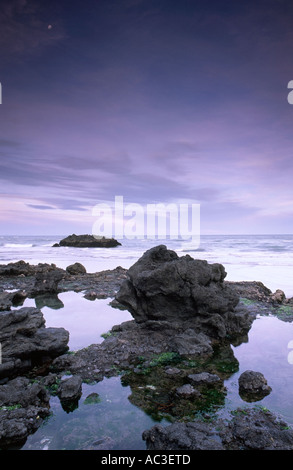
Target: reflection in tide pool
[(268, 352), (105, 417), (85, 320)]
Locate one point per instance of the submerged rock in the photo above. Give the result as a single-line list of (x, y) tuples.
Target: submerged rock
[(87, 241)]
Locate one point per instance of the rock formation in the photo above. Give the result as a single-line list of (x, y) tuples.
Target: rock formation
[(87, 241), (25, 341), (253, 386), (164, 287), (23, 406)]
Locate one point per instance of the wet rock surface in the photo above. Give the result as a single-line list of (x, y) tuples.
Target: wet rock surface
[(247, 430), (69, 392), (23, 406), (253, 386)]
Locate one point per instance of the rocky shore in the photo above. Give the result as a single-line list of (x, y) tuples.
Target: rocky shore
[(177, 348)]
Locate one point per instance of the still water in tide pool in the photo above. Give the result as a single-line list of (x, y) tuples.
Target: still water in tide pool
[(105, 417)]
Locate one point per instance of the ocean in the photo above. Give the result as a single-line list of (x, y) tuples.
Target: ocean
[(265, 258)]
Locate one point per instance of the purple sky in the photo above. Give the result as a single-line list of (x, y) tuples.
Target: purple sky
[(154, 100)]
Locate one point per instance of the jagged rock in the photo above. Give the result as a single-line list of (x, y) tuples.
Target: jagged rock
[(5, 300), (162, 286), (46, 282), (256, 430), (20, 391), (204, 378), (25, 340), (87, 241), (278, 296), (22, 406), (252, 430), (16, 269), (178, 436), (253, 290)]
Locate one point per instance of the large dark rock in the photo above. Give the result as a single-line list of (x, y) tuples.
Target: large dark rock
[(162, 286), (87, 241), (26, 341)]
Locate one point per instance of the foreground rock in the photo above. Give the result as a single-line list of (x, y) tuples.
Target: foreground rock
[(23, 406), (87, 241), (25, 341), (248, 430), (164, 287)]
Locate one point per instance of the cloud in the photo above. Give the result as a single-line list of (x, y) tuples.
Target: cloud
[(24, 28), (41, 207)]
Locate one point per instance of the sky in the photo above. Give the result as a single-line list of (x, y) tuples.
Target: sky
[(157, 101)]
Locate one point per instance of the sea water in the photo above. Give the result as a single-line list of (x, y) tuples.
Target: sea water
[(265, 258), (113, 422)]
